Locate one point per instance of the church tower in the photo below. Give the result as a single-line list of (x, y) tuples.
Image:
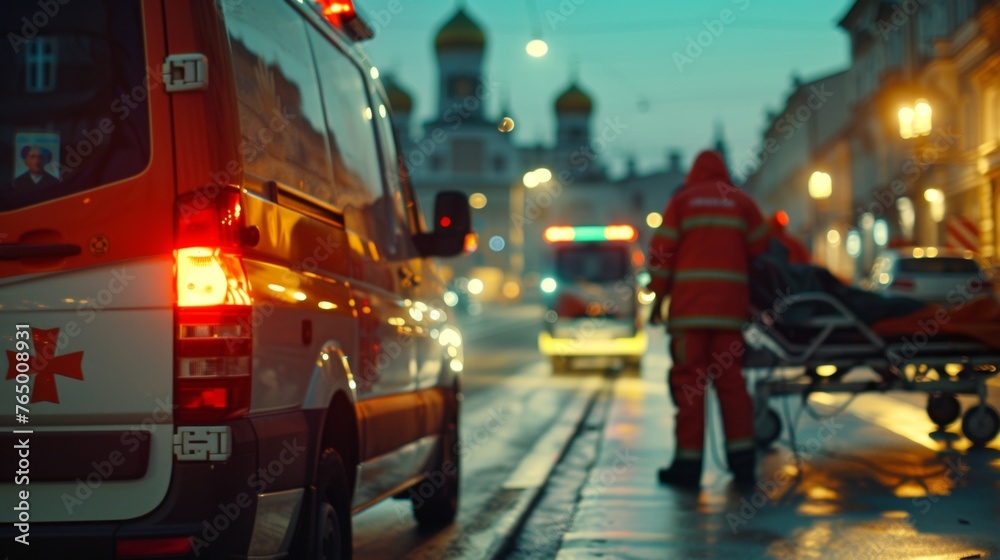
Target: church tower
[(460, 45), (574, 150)]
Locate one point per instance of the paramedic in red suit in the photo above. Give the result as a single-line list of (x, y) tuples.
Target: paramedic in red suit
[(700, 257)]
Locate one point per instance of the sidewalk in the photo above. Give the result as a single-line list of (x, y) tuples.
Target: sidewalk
[(623, 511)]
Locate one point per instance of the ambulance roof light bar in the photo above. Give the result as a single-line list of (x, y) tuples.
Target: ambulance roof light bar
[(580, 234), (342, 15)]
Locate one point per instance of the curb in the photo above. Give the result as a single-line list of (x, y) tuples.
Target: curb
[(531, 485)]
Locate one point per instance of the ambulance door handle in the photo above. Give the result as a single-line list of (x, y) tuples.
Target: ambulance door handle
[(12, 252)]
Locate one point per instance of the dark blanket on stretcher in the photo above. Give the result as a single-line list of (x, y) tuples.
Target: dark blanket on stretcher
[(772, 278)]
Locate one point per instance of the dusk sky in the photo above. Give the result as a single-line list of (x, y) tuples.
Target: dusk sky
[(633, 59)]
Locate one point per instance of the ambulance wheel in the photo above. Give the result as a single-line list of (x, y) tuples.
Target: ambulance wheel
[(766, 428), (943, 409), (435, 499), (981, 428), (330, 522)]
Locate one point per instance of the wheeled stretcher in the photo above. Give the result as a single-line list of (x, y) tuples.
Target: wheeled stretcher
[(930, 352)]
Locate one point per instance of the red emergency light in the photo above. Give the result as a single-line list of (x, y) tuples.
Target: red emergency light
[(342, 15), (782, 217), (339, 8)]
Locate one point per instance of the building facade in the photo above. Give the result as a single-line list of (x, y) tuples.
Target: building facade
[(462, 149), (908, 136)]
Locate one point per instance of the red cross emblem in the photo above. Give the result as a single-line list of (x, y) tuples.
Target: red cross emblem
[(45, 365)]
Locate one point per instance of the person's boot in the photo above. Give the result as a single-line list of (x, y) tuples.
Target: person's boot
[(685, 473), (743, 465)]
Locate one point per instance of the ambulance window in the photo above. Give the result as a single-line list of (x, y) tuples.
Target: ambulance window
[(74, 109), (281, 113), (592, 264), (395, 176), (350, 125)]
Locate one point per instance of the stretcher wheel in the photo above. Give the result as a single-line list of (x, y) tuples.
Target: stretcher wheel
[(766, 428), (943, 409), (981, 428)]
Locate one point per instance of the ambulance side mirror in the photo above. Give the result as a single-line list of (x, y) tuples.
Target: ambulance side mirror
[(452, 233)]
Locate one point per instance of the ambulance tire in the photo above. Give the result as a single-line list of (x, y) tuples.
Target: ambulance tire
[(329, 524), (435, 499)]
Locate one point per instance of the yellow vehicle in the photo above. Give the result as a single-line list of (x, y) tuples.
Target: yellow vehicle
[(594, 297)]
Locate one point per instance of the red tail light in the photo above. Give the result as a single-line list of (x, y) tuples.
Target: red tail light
[(904, 284), (214, 306)]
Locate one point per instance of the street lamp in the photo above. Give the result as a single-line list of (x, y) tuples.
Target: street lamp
[(820, 188), (916, 121), (534, 178), (935, 197), (820, 185), (536, 48)]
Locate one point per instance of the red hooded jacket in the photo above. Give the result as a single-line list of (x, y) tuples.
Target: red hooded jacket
[(701, 254)]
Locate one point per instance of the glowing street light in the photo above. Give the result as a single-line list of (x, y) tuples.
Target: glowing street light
[(534, 178), (917, 120), (477, 201), (935, 197), (536, 48), (820, 185), (906, 117), (922, 118)]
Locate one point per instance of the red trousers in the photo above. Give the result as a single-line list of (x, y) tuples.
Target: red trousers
[(703, 356)]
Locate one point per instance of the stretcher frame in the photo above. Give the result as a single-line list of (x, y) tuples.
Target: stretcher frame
[(898, 368)]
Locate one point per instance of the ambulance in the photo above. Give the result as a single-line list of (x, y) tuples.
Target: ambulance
[(595, 298), (219, 304)]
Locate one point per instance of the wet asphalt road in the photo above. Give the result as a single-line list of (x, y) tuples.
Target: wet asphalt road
[(510, 402)]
